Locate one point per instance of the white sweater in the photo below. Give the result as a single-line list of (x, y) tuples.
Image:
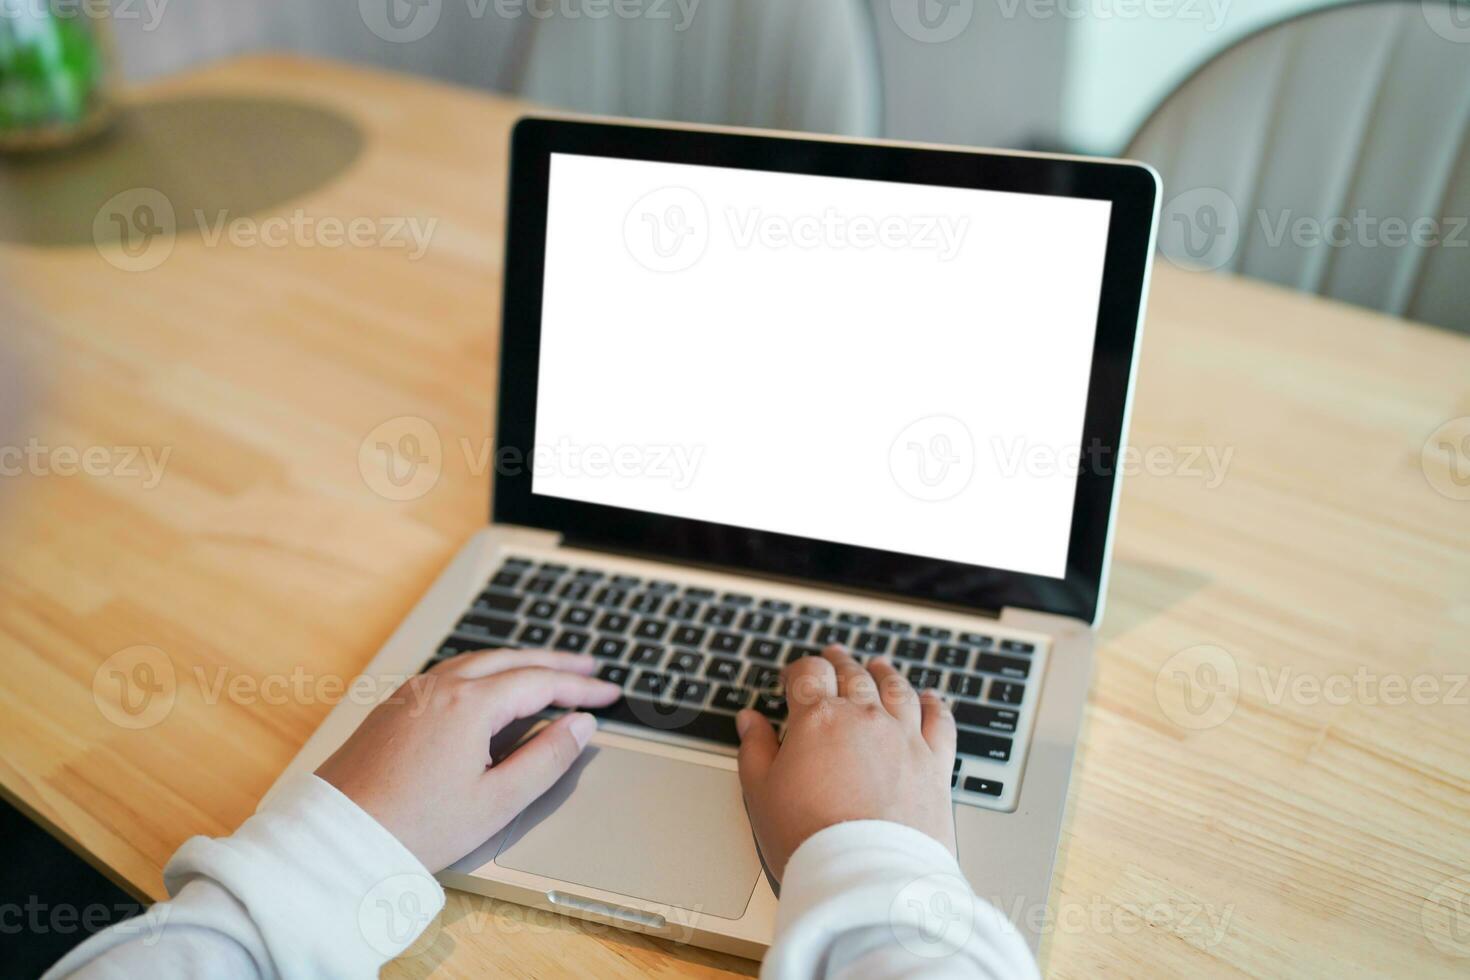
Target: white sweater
[(311, 886)]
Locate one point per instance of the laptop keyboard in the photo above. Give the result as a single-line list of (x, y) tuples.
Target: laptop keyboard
[(689, 658)]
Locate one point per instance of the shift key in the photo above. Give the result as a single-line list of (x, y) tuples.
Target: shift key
[(981, 746)]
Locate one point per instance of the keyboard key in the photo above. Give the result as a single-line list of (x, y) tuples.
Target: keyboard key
[(651, 682), (912, 650), (923, 677), (989, 787), (614, 623), (498, 602), (574, 590), (540, 585), (573, 641), (762, 678), (775, 605), (688, 636), (609, 648), (722, 669), (771, 705), (935, 633), (651, 629), (646, 655), (552, 570), (516, 561), (767, 650), (965, 685), (732, 698), (726, 643), (1007, 692), (719, 616), (816, 612), (543, 609), (978, 640), (1016, 646), (894, 626), (954, 780), (950, 655), (691, 691), (703, 595), (676, 720), (661, 586), (486, 627), (794, 629), (612, 597), (577, 616), (981, 746), (506, 580), (627, 581), (872, 643), (682, 609), (614, 673), (685, 662), (994, 663), (757, 622), (646, 603), (833, 634), (798, 651), (736, 599), (589, 574), (535, 635), (983, 716), (853, 619), (453, 646)]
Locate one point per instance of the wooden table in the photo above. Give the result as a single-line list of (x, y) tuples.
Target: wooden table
[(1296, 834)]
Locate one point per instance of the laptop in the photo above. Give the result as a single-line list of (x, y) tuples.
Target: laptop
[(759, 394)]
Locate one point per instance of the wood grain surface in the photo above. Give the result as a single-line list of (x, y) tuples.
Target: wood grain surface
[(1274, 779)]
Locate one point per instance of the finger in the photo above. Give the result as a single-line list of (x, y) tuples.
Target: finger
[(758, 746), (853, 682), (535, 767), (895, 690), (809, 681), (491, 662), (526, 691), (937, 725)]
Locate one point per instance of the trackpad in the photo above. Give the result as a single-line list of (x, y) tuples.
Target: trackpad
[(644, 826)]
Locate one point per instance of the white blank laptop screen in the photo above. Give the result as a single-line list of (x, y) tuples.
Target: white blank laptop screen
[(893, 366)]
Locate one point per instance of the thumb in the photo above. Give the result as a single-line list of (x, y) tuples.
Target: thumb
[(535, 767), (758, 747)]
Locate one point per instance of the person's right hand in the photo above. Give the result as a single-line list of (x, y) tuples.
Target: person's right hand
[(860, 744)]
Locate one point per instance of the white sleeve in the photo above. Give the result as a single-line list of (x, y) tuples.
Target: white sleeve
[(870, 900), (310, 886)]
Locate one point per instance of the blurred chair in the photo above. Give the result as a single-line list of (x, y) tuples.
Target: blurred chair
[(784, 64), (1301, 154)]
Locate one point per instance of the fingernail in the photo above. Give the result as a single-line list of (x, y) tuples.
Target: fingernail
[(582, 726), (742, 723)]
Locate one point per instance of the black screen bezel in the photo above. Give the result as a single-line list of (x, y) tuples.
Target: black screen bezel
[(1132, 190)]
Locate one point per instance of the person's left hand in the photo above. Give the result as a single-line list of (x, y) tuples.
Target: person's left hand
[(420, 764)]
